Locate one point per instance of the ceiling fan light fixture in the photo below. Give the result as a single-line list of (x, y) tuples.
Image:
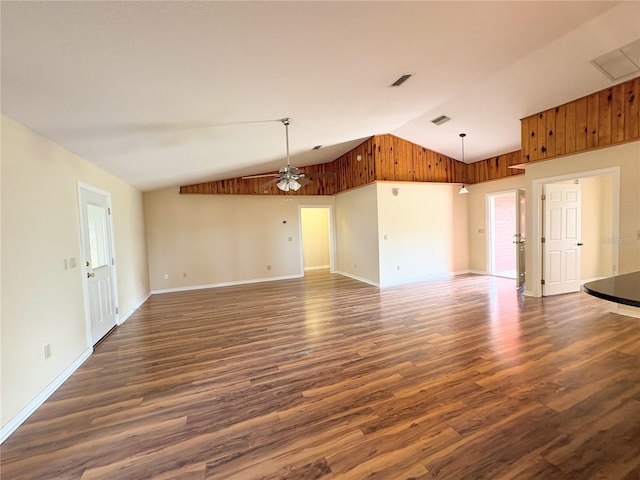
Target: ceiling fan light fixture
[(283, 185), (294, 185)]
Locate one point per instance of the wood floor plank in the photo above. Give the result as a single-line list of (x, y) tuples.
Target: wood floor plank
[(324, 378)]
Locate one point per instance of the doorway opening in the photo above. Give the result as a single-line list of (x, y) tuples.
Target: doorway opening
[(577, 216), (502, 220), (316, 233), (598, 223)]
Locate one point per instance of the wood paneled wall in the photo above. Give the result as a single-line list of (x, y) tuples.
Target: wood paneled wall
[(402, 161), (351, 172), (382, 157), (495, 168), (604, 118), (253, 186)]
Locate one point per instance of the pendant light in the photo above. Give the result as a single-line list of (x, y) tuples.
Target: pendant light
[(463, 189)]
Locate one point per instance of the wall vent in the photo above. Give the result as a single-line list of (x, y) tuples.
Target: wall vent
[(621, 62), (401, 80), (440, 120)]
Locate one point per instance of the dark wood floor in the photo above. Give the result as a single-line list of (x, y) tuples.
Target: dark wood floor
[(328, 378)]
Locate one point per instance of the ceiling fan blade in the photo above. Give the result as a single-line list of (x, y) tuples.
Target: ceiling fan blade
[(319, 175), (269, 183), (304, 181), (261, 176)]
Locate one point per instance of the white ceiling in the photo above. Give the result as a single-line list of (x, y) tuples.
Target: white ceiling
[(165, 93)]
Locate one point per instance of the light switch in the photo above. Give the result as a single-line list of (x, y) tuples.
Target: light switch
[(72, 262)]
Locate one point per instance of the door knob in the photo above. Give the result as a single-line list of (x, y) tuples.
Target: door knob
[(579, 244), (89, 275)]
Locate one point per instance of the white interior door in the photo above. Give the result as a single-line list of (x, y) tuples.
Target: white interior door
[(561, 237), (520, 237), (98, 261)]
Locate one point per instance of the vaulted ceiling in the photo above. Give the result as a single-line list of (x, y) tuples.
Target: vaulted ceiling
[(170, 93)]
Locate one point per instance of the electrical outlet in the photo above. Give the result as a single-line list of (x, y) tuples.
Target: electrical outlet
[(290, 239), (47, 351), (72, 262), (398, 267), (184, 275), (166, 276), (268, 267)]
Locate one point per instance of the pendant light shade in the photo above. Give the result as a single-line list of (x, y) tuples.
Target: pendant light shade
[(283, 185), (463, 189)]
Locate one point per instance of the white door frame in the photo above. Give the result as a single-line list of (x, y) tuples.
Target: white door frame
[(491, 224), (534, 202), (521, 238), (85, 289), (332, 239)]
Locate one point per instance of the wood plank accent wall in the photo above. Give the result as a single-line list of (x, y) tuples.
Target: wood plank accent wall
[(495, 168), (382, 157), (399, 160), (602, 119)]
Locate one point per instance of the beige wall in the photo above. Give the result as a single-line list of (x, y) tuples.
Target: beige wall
[(41, 302), (201, 240), (422, 231), (357, 233), (478, 214), (207, 240), (606, 266), (596, 225), (626, 157), (315, 237)]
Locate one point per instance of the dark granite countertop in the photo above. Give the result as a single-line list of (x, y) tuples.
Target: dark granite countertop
[(624, 289)]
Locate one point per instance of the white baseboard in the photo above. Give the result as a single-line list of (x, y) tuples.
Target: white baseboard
[(425, 278), (356, 277), (126, 316), (33, 405), (402, 282), (224, 284), (317, 267), (625, 310)]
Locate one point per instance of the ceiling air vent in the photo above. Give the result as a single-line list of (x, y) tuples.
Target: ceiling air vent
[(401, 80), (621, 62), (440, 120)]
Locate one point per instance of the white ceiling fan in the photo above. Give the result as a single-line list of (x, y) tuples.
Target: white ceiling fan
[(289, 177)]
